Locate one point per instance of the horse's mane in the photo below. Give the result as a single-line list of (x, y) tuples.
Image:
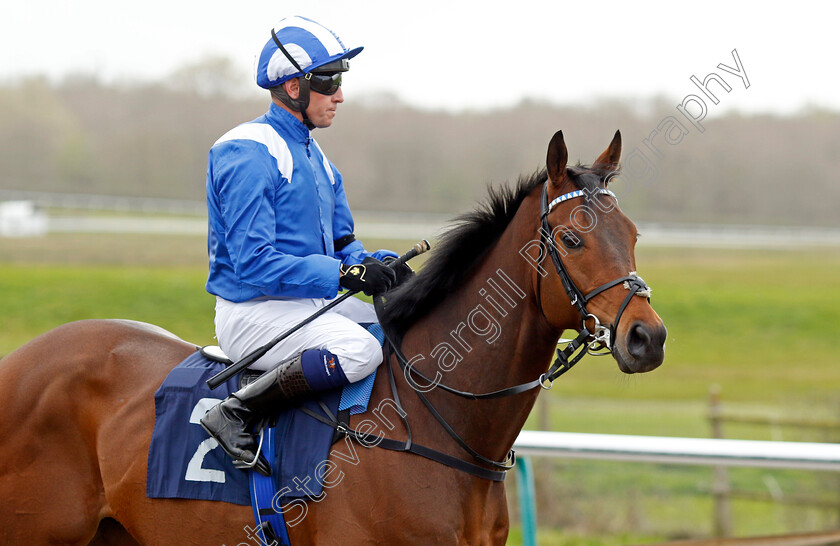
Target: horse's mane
[(463, 245)]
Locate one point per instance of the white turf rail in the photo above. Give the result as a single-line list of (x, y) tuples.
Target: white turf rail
[(694, 451)]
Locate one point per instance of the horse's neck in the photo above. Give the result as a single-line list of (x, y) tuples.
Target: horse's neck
[(487, 335)]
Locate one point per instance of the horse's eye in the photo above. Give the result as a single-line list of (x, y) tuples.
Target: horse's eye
[(570, 240)]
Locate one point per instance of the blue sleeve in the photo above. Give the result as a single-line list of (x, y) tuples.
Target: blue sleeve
[(245, 177), (343, 225)]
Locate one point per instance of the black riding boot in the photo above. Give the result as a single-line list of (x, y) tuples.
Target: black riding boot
[(231, 422)]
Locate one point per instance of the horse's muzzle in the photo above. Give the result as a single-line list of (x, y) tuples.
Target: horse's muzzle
[(643, 347)]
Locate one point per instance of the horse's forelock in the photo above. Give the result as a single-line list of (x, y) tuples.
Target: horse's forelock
[(585, 177)]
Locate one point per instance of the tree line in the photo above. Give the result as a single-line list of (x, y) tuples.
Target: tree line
[(151, 139)]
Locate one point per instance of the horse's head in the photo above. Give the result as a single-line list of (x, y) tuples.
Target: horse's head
[(591, 244)]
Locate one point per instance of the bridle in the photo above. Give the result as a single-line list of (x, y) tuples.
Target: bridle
[(598, 341)]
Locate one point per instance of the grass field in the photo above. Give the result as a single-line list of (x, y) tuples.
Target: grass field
[(763, 325)]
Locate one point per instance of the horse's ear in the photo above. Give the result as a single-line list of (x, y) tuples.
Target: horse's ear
[(556, 159), (609, 159)]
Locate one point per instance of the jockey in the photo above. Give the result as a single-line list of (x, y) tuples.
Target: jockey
[(281, 242)]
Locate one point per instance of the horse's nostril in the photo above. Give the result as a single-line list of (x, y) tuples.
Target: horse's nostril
[(638, 340)]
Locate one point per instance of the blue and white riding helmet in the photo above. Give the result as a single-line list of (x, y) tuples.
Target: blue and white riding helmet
[(301, 48)]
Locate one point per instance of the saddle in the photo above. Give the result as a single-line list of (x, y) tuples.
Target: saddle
[(216, 354)]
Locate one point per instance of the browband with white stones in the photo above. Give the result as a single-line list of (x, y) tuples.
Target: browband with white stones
[(578, 193)]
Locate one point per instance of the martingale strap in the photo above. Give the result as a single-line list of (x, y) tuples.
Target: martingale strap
[(369, 440), (565, 360)]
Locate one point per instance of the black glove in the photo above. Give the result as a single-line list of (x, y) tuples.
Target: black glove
[(371, 277), (403, 271)]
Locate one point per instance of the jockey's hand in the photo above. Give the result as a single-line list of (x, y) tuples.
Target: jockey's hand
[(403, 271), (371, 277)]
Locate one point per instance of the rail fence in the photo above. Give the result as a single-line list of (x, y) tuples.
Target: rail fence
[(722, 491), (658, 449), (394, 224)]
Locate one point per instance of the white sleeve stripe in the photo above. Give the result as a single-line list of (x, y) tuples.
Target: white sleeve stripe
[(267, 136)]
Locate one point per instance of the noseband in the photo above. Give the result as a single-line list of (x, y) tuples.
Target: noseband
[(599, 340)]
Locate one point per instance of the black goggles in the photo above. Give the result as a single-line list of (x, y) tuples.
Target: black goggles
[(325, 84)]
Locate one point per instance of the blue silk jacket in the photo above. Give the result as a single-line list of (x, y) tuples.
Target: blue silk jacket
[(276, 205)]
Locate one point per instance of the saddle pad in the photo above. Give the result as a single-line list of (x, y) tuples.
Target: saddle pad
[(184, 462)]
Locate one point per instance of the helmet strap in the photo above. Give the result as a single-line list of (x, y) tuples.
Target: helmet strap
[(302, 102), (303, 98)]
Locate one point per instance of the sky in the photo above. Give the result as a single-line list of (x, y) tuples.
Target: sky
[(458, 55)]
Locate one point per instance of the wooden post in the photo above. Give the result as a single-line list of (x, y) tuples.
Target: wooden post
[(720, 484)]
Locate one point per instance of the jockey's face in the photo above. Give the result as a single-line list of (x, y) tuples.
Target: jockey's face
[(322, 108)]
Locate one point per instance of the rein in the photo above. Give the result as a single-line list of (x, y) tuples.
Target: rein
[(586, 342)]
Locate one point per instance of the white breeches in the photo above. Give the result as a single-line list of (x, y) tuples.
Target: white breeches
[(243, 327)]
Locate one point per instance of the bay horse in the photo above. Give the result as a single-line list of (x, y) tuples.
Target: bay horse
[(483, 314)]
